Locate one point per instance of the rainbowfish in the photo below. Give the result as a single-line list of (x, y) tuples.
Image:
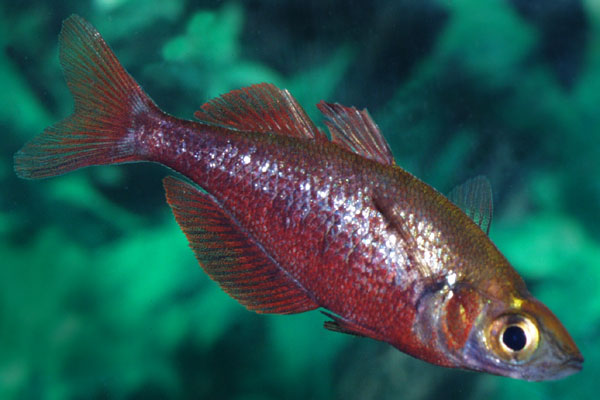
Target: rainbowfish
[(286, 220)]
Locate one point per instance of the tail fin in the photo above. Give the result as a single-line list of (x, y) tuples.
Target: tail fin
[(106, 100)]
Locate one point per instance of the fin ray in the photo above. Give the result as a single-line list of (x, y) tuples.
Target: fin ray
[(105, 97), (356, 131), (230, 257), (260, 108), (475, 198), (342, 325)]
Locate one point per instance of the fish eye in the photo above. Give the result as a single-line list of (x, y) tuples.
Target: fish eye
[(513, 337)]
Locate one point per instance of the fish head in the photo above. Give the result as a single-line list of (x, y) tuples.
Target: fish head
[(519, 338)]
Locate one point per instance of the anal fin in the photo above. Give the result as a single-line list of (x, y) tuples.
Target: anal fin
[(231, 257)]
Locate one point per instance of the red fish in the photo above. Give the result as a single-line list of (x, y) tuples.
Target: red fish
[(287, 221)]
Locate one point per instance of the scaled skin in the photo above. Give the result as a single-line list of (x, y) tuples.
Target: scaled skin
[(338, 228), (369, 242)]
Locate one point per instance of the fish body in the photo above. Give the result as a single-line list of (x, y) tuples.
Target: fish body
[(287, 221)]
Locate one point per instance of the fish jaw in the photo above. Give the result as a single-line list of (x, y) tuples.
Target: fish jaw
[(467, 327), (548, 354)]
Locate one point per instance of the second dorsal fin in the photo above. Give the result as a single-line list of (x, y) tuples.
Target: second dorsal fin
[(260, 108), (356, 131)]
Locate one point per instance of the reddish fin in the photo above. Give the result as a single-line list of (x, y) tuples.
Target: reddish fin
[(342, 325), (474, 197), (231, 257), (106, 97), (356, 131), (260, 108)]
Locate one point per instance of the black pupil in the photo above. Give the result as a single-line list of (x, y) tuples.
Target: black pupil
[(514, 338)]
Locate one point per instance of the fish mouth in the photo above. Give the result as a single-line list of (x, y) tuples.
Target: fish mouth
[(575, 363), (568, 367), (553, 369)]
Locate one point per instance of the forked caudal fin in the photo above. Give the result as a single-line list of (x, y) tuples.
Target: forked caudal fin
[(106, 97)]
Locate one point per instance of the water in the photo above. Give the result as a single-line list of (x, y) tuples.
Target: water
[(100, 296)]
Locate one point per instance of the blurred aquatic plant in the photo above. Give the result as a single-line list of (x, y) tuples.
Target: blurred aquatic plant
[(19, 107), (453, 103), (101, 299), (207, 57), (99, 319), (127, 299)]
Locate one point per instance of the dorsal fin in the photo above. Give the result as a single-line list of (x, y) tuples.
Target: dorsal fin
[(231, 257), (260, 108), (356, 131), (474, 197)]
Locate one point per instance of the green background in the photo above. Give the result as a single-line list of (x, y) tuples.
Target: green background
[(100, 296)]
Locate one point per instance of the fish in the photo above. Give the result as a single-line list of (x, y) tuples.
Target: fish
[(287, 219)]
